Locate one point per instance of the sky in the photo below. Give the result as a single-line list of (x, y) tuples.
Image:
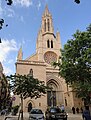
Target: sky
[(24, 21)]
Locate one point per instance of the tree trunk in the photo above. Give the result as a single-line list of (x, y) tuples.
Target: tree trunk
[(21, 107)]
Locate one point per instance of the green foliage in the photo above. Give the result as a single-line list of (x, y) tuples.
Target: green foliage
[(9, 2), (76, 62), (15, 109), (5, 99), (77, 1), (27, 86), (1, 23)]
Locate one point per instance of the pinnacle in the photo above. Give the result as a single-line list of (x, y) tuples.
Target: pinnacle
[(46, 12)]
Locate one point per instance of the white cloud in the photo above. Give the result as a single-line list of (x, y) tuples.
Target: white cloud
[(6, 47), (39, 5), (10, 61), (25, 3), (5, 11), (10, 12), (7, 70)]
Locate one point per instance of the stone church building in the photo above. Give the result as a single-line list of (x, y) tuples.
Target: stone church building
[(48, 47)]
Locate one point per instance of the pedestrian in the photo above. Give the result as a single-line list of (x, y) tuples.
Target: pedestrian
[(62, 108), (86, 113), (73, 110), (77, 110), (81, 110)]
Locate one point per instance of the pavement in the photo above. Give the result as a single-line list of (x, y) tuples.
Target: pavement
[(72, 116), (26, 117)]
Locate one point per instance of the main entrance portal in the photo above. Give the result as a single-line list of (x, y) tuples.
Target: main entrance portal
[(51, 98), (52, 94)]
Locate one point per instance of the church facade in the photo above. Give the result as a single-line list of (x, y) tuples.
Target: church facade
[(48, 47)]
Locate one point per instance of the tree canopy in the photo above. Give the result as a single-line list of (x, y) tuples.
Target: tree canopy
[(77, 1), (5, 100), (27, 86), (75, 62)]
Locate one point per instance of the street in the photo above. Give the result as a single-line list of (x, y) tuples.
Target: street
[(26, 116)]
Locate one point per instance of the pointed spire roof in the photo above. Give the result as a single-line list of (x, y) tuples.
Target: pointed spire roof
[(46, 12), (19, 57), (20, 50)]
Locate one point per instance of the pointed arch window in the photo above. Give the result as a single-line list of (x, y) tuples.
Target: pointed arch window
[(48, 25), (31, 72), (48, 43), (51, 44), (45, 25)]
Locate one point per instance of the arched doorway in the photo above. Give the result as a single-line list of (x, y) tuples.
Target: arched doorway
[(51, 94), (29, 106)]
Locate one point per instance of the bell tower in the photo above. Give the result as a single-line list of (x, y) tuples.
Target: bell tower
[(48, 44)]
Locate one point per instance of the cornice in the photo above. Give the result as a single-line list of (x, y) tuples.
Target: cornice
[(30, 62)]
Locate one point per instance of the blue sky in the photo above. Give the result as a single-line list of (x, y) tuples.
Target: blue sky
[(24, 20)]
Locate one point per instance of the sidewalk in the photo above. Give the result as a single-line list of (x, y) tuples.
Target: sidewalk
[(76, 116)]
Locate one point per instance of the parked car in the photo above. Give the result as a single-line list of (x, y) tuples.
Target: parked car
[(4, 112), (55, 113), (36, 114)]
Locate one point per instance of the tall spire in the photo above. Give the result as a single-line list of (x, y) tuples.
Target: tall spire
[(46, 12), (47, 26)]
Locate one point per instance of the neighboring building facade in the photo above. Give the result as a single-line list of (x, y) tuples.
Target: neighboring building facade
[(1, 70), (47, 51)]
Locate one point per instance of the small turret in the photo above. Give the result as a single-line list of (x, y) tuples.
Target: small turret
[(20, 54), (39, 40), (58, 39)]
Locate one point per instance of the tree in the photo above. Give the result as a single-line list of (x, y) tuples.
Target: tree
[(27, 86), (5, 100), (9, 2), (75, 63), (77, 1)]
